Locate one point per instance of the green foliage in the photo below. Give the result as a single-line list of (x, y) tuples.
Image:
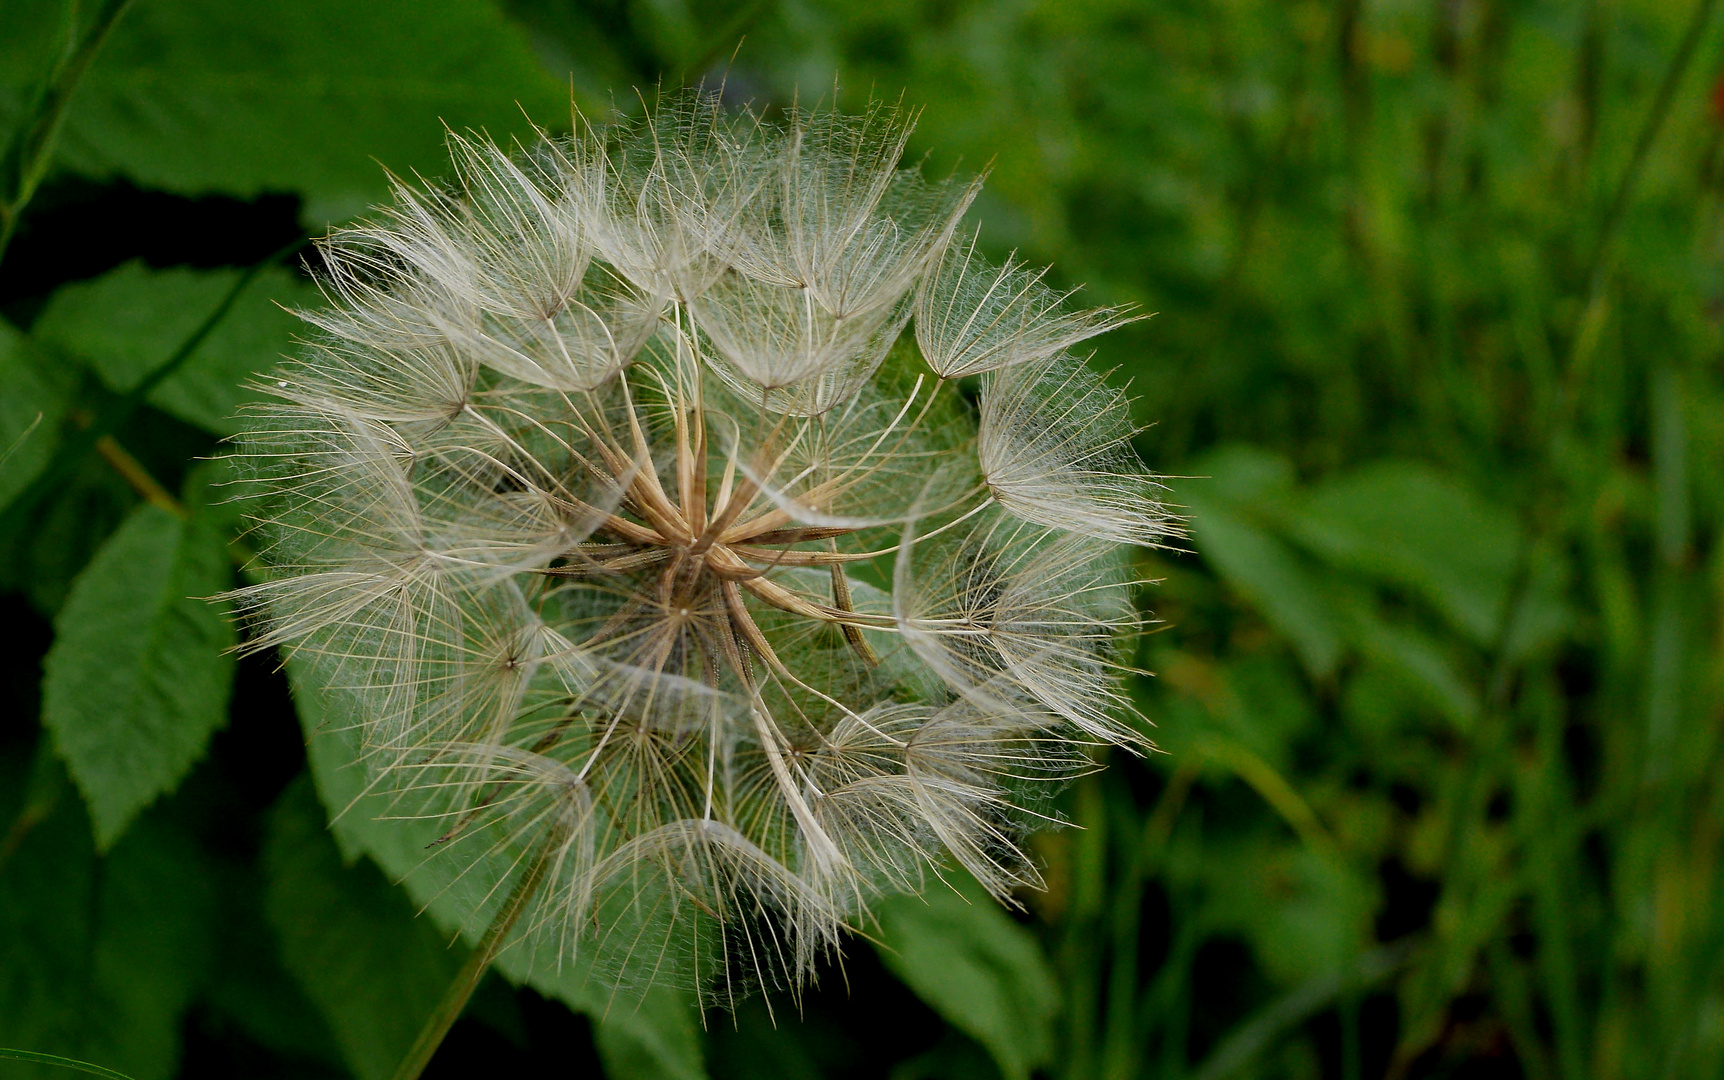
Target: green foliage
[(637, 1034), (655, 1038), (196, 96), (977, 968), (374, 972), (32, 406), (138, 678), (1435, 359), (126, 322), (102, 956)]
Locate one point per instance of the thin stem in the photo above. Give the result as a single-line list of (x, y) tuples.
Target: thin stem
[(25, 160), (1597, 264), (467, 979), (134, 473), (63, 1062), (1592, 312)]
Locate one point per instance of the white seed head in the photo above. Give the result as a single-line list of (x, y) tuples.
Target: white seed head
[(650, 554)]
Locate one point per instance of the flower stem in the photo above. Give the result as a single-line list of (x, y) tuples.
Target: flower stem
[(467, 979)]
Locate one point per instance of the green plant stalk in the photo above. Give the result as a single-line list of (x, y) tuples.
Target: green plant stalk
[(1119, 1049), (1123, 1035), (1304, 1001), (1597, 264), (1082, 950), (1550, 851), (467, 980), (26, 159), (1594, 310)]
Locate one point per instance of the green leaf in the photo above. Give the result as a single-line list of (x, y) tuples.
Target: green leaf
[(1276, 579), (1407, 523), (153, 946), (1423, 662), (137, 679), (127, 322), (652, 1035), (42, 552), (656, 1040), (196, 96), (32, 405), (373, 970), (977, 968), (1305, 911), (252, 990), (99, 959), (35, 34), (1244, 489)]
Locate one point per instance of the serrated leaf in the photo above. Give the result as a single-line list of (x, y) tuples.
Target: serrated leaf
[(197, 96), (652, 1035), (137, 679), (374, 971), (977, 968), (102, 966), (32, 405), (127, 322)]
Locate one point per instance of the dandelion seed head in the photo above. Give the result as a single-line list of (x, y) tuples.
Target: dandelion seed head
[(652, 552)]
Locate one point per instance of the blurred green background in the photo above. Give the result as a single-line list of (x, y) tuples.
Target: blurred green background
[(1435, 366)]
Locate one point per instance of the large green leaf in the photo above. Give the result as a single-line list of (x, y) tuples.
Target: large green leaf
[(651, 1035), (251, 990), (99, 959), (1407, 523), (657, 1039), (374, 971), (984, 973), (1276, 579), (1305, 911), (1241, 489), (137, 679), (125, 323), (307, 96), (32, 404)]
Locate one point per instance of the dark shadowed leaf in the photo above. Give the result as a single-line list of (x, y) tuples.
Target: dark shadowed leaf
[(373, 970), (32, 404), (99, 958)]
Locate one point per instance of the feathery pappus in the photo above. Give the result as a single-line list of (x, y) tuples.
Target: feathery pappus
[(627, 492)]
